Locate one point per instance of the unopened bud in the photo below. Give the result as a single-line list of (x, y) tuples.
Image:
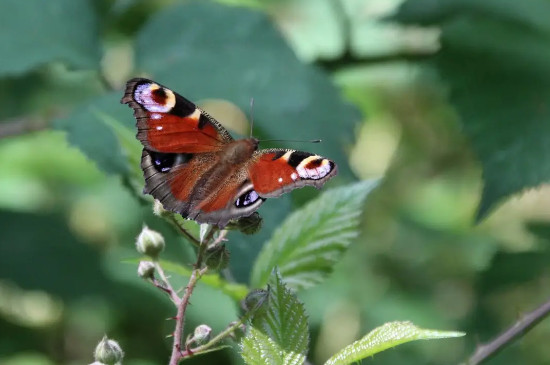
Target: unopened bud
[(239, 332), (256, 300), (217, 257), (146, 269), (150, 243), (159, 210), (247, 225), (108, 352), (202, 334)]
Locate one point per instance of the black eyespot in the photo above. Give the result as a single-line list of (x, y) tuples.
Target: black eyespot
[(163, 162), (247, 198)]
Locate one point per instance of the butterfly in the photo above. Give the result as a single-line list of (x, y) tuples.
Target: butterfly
[(194, 167)]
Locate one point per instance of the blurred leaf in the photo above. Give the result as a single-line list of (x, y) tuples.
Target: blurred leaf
[(510, 269), (540, 229), (209, 50), (27, 358), (495, 57), (384, 337), (279, 334), (46, 31), (39, 252), (310, 241), (46, 90), (247, 247), (89, 129), (236, 291)]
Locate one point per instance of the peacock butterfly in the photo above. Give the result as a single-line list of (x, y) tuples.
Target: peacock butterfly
[(194, 167)]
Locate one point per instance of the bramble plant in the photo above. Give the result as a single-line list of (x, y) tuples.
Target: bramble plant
[(446, 101), (301, 252)]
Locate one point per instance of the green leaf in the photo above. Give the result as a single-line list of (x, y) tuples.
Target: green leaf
[(384, 337), (496, 60), (236, 291), (96, 128), (311, 240), (279, 334), (210, 50), (45, 31)]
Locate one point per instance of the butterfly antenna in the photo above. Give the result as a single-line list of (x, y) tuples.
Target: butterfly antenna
[(292, 140), (251, 116)]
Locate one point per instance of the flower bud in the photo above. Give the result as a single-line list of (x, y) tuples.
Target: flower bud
[(202, 334), (217, 257), (108, 352), (239, 332), (256, 301), (150, 243), (146, 270), (159, 210), (247, 225)]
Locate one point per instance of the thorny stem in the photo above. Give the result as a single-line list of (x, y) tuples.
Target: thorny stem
[(177, 354), (178, 350), (165, 285), (197, 272), (521, 327)]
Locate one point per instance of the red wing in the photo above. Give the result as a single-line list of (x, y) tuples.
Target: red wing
[(233, 199), (171, 178), (277, 171), (184, 184), (167, 122)]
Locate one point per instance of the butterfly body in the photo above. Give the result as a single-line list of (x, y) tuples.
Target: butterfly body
[(194, 167)]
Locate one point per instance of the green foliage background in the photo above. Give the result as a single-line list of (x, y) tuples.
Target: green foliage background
[(447, 100)]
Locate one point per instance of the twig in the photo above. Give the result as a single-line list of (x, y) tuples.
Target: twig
[(165, 285), (21, 126), (218, 338), (521, 327), (183, 231), (197, 272)]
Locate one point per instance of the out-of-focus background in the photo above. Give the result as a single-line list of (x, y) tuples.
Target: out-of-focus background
[(447, 100)]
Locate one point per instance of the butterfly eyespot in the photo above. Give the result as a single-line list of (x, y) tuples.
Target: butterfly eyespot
[(155, 98), (314, 168), (250, 197), (164, 162)]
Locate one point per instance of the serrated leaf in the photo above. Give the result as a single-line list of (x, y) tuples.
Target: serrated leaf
[(258, 348), (311, 240), (495, 57), (45, 31), (279, 334), (384, 337), (236, 53)]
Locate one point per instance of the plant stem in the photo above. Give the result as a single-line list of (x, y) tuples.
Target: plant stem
[(184, 232), (521, 327), (166, 286), (197, 272), (218, 338)]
